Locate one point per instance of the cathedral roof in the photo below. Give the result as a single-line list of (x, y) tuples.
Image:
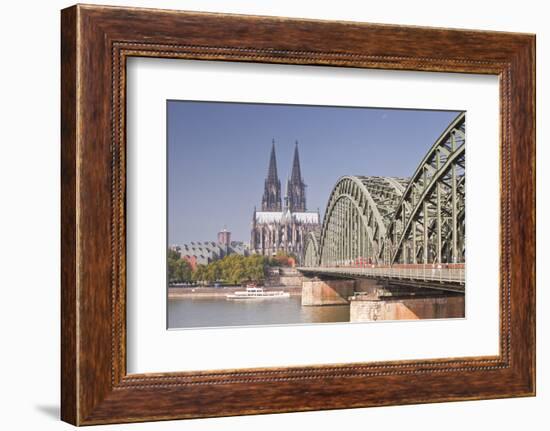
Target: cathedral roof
[(311, 217)]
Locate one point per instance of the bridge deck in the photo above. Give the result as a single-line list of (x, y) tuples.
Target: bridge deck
[(426, 274)]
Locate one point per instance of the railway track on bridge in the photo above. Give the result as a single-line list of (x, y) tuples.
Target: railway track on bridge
[(450, 279)]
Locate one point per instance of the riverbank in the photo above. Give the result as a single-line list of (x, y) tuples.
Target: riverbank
[(217, 292)]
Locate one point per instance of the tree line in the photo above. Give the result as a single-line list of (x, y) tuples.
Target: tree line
[(232, 269)]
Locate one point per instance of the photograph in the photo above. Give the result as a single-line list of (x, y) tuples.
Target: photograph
[(264, 211), (283, 214)]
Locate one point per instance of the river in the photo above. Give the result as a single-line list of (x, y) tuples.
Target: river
[(215, 312)]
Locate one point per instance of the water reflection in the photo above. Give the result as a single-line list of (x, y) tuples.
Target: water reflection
[(209, 312)]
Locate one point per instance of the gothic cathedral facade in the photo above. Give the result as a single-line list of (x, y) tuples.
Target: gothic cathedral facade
[(278, 227)]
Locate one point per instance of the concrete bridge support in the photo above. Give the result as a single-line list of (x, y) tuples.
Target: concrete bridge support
[(371, 299), (372, 307), (327, 292), (332, 291)]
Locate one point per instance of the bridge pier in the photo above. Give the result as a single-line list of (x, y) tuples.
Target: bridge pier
[(372, 299), (370, 286), (372, 307), (335, 291), (327, 292)]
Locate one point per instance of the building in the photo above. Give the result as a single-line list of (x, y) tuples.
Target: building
[(279, 227), (224, 239), (204, 252)]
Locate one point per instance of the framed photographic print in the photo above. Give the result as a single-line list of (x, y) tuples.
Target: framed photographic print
[(267, 215)]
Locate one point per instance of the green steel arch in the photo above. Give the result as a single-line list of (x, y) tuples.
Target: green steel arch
[(429, 225), (311, 249), (384, 220), (358, 213)]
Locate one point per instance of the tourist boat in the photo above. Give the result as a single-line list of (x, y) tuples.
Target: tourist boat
[(253, 292)]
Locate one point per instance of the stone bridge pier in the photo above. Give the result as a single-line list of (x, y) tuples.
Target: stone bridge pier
[(406, 307), (335, 291), (316, 291), (371, 299)]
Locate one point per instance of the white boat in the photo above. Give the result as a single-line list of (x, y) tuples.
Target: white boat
[(253, 292)]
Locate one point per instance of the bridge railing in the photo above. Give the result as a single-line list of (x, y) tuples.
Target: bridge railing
[(428, 273)]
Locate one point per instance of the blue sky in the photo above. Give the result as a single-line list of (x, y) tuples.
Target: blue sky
[(218, 156)]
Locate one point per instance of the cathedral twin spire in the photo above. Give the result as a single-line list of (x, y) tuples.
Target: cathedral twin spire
[(295, 199), (271, 200), (296, 189)]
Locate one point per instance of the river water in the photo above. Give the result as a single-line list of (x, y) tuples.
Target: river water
[(215, 312)]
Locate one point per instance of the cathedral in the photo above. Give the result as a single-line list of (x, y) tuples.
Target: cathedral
[(279, 227)]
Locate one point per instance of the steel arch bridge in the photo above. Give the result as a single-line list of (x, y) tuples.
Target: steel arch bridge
[(394, 222)]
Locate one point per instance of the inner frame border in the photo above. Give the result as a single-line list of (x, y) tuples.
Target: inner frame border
[(120, 52)]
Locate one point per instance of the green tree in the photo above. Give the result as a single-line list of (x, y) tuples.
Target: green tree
[(173, 254), (283, 259), (212, 272), (179, 270), (233, 269), (199, 273)]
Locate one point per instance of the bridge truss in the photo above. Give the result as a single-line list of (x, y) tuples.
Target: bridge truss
[(389, 221)]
